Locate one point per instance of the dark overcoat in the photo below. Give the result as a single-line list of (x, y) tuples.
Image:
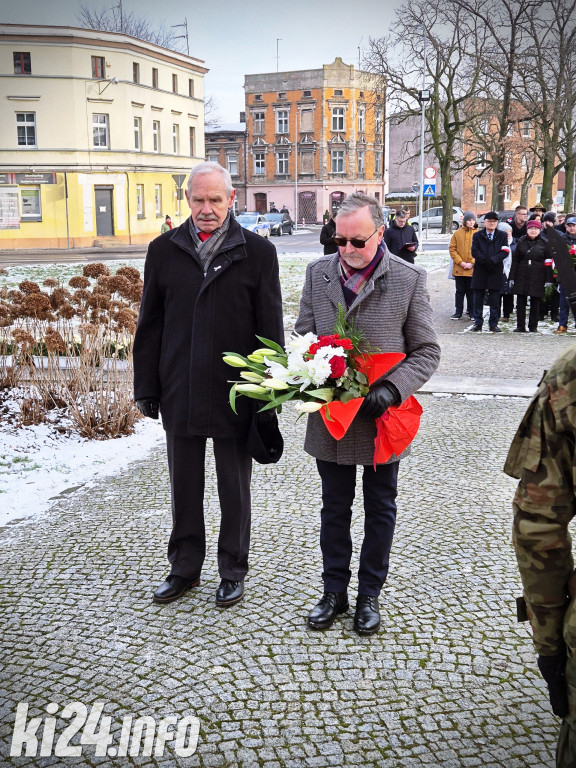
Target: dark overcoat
[(397, 238), (188, 319), (395, 315), (488, 258), (529, 269)]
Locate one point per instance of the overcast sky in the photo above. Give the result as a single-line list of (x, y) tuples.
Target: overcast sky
[(234, 39)]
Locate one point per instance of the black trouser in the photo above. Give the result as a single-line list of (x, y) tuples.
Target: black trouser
[(187, 545), (493, 303), (534, 315), (464, 288), (338, 490), (507, 304)]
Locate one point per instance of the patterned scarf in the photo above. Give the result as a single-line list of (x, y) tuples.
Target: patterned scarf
[(354, 280), (209, 248)]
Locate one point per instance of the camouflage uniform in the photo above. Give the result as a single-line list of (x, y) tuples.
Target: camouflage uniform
[(542, 456)]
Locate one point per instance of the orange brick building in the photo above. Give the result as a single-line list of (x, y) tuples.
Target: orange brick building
[(338, 118)]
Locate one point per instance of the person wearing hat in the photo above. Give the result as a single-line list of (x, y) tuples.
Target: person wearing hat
[(489, 249), (560, 222), (463, 264), (570, 237), (539, 209), (166, 225), (530, 274)]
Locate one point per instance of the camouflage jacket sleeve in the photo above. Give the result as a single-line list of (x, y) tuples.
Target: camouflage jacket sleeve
[(542, 456)]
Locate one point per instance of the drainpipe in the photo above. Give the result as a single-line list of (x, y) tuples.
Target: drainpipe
[(67, 220), (128, 201)]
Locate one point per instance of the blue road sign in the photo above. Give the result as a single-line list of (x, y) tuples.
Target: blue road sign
[(430, 190)]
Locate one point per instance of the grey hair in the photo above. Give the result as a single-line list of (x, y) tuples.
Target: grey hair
[(358, 200), (206, 167), (504, 227)]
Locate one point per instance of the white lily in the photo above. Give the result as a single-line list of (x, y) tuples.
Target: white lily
[(308, 407)]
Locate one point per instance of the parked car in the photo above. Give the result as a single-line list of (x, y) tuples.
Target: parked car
[(255, 222), (433, 218), (280, 223), (502, 216)]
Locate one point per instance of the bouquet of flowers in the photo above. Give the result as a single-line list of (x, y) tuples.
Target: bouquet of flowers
[(328, 374)]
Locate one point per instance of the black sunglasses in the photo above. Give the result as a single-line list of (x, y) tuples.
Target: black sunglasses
[(342, 241)]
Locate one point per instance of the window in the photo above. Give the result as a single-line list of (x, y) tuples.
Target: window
[(377, 162), (337, 161), (260, 163), (232, 164), (135, 72), (154, 77), (361, 156), (140, 200), (507, 161), (100, 131), (282, 121), (306, 93), (526, 129), (337, 118), (158, 199), (212, 158), (191, 88), (484, 125), (282, 163), (138, 134), (507, 193), (524, 163), (259, 118), (176, 138), (30, 204), (510, 130), (98, 66), (258, 97), (481, 160), (156, 135), (378, 123), (307, 120), (22, 64), (338, 92), (282, 95), (192, 141), (361, 119), (480, 192), (26, 129), (174, 83)]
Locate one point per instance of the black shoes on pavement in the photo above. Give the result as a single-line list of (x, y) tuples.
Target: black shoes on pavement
[(173, 588), (332, 604), (229, 593)]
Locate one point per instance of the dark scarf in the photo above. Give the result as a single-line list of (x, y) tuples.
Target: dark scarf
[(354, 280), (209, 248)]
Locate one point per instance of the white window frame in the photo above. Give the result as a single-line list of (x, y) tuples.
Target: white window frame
[(361, 161), (259, 122), (138, 134), (507, 193), (507, 161), (282, 117), (140, 201), (526, 129), (158, 199), (27, 121), (176, 138), (282, 161), (378, 122), (377, 161), (100, 125), (337, 159), (37, 195), (156, 136), (481, 160), (260, 163), (479, 192), (232, 163), (361, 119), (338, 116)]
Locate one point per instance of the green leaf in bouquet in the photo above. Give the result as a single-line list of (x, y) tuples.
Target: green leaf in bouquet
[(271, 344), (232, 398), (324, 393), (347, 396), (361, 378), (327, 413)]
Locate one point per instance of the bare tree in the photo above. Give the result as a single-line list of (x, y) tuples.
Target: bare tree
[(112, 20), (211, 111)]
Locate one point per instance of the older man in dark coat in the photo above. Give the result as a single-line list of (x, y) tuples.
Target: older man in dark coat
[(489, 249), (386, 298), (209, 287)]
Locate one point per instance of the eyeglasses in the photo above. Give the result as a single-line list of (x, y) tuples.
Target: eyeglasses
[(343, 241)]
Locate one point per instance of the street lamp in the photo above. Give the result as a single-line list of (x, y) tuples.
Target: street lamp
[(423, 98)]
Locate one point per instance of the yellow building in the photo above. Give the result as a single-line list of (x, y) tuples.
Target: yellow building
[(98, 133)]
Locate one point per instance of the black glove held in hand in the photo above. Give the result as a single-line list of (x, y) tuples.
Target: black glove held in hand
[(379, 399), (148, 407), (552, 670)]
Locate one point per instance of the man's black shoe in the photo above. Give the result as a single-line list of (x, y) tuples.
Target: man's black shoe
[(475, 328), (229, 593), (173, 588), (323, 614), (367, 616), (495, 329)]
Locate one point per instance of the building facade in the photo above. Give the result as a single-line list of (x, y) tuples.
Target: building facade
[(226, 145), (99, 131), (314, 137)]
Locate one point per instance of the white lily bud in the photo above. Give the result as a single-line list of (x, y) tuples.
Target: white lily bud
[(234, 361), (308, 407), (275, 384)]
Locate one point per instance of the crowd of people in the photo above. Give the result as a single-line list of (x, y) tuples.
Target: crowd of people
[(509, 265)]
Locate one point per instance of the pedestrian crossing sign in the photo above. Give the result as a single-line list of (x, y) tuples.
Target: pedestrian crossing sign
[(429, 190)]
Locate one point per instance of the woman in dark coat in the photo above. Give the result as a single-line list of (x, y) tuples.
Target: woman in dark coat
[(327, 237), (530, 272)]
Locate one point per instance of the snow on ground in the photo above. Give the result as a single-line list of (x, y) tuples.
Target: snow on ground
[(38, 463)]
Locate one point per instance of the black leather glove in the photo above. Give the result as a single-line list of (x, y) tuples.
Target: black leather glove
[(149, 407), (552, 669), (381, 396)]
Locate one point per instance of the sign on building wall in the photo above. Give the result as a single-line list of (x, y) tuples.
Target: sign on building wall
[(9, 215), (27, 178)]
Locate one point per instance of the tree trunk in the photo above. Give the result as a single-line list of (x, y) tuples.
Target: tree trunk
[(569, 196)]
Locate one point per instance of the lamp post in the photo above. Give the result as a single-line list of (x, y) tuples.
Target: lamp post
[(423, 98), (296, 170)]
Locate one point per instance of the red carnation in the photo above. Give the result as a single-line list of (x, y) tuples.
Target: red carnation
[(337, 366), (345, 344)]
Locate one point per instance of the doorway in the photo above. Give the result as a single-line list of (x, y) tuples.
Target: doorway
[(104, 211)]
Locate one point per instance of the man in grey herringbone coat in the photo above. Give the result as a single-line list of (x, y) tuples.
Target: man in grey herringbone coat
[(386, 298)]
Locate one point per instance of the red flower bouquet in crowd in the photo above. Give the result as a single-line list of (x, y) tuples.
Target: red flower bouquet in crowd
[(328, 374)]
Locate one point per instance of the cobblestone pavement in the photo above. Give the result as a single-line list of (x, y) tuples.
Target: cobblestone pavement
[(450, 680)]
